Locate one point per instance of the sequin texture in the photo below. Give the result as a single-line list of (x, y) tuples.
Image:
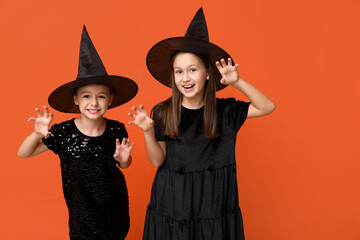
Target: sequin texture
[(94, 187)]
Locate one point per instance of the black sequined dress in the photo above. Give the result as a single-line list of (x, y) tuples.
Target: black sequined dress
[(94, 187), (194, 193)]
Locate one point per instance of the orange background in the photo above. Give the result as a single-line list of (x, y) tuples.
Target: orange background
[(298, 169)]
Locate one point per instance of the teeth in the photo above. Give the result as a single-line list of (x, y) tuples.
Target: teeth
[(188, 86), (92, 111)]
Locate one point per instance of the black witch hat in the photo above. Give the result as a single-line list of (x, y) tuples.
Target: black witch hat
[(196, 40), (91, 71)]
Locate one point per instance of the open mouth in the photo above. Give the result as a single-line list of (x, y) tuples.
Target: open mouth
[(189, 86), (93, 111)]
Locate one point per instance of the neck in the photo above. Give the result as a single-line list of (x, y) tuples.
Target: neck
[(91, 127), (193, 104)]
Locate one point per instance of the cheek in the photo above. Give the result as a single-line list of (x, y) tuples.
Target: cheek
[(178, 86), (176, 81), (201, 79), (104, 102), (176, 78), (81, 103)]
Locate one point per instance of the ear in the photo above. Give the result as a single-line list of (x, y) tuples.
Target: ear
[(111, 99), (208, 76), (76, 100)]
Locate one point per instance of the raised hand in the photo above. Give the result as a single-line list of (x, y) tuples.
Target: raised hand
[(42, 122), (141, 118), (228, 72), (122, 152)]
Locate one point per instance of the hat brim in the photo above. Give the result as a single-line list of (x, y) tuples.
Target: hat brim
[(159, 56), (62, 99)]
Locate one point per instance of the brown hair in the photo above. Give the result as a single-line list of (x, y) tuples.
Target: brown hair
[(168, 112)]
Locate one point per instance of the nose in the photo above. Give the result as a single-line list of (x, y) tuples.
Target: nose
[(94, 101), (186, 77)]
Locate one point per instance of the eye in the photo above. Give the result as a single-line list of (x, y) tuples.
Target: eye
[(85, 96), (178, 72), (193, 69), (102, 96)]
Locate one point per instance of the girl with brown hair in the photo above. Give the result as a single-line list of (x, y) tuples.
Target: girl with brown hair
[(191, 139)]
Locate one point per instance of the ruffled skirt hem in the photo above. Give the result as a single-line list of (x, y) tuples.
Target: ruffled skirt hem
[(227, 227)]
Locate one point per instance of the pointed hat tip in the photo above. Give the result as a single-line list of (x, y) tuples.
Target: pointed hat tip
[(200, 16), (84, 29), (200, 11), (198, 28), (90, 64)]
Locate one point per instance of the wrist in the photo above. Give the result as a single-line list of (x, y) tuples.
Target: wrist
[(237, 81), (38, 135), (150, 130), (124, 164)]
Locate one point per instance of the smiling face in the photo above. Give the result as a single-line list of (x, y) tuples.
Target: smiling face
[(190, 76), (93, 100)]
